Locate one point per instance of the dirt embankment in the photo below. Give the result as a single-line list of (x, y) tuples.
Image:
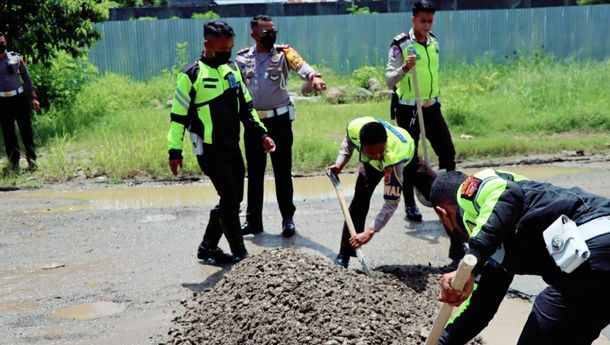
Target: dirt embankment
[(284, 296)]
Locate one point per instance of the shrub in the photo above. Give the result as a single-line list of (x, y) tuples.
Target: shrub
[(361, 76), (208, 15)]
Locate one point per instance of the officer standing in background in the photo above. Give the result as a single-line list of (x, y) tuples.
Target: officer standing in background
[(265, 68), (518, 226), (210, 100), (14, 106), (404, 109), (384, 151)]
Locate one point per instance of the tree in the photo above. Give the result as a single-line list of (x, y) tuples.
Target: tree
[(39, 29), (592, 2)]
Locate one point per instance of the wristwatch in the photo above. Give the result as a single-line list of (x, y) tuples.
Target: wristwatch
[(318, 75)]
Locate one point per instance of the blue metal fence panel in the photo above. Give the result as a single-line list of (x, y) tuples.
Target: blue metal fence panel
[(345, 42)]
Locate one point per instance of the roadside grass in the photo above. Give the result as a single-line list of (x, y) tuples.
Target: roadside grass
[(116, 127)]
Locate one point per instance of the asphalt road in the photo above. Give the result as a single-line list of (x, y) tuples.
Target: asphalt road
[(91, 263)]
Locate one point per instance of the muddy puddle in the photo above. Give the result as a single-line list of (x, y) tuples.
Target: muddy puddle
[(89, 311), (202, 194)]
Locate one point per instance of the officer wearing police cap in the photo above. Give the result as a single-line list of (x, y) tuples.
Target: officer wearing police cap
[(265, 68)]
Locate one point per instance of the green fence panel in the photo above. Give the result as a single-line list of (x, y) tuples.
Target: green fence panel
[(143, 49)]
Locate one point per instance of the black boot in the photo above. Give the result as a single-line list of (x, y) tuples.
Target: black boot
[(413, 213), (342, 260), (213, 255), (288, 228), (232, 231), (252, 227)]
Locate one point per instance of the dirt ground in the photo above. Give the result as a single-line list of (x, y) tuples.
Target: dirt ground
[(91, 263)]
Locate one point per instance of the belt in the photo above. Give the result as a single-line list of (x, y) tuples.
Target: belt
[(425, 103), (12, 92), (595, 227), (265, 114)]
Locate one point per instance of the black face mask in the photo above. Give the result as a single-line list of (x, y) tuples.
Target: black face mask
[(220, 58), (268, 40), (2, 48)]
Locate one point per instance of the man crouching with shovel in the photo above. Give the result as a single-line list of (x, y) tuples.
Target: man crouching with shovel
[(385, 152)]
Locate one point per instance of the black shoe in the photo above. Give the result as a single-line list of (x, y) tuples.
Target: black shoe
[(10, 170), (342, 260), (288, 228), (413, 213), (238, 258), (213, 256), (32, 166), (251, 228)]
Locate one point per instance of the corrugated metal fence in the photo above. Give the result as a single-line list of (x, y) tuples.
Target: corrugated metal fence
[(345, 42)]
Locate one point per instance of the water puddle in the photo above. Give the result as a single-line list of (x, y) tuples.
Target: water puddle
[(203, 194), (89, 311), (17, 307)]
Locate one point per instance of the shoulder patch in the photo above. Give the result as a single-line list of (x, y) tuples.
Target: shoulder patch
[(400, 38), (470, 187)]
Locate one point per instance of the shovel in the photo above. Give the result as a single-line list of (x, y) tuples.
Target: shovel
[(348, 220), (463, 273)]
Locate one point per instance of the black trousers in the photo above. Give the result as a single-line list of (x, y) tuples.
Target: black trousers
[(368, 178), (13, 109), (226, 171), (572, 312), (279, 128), (437, 133)]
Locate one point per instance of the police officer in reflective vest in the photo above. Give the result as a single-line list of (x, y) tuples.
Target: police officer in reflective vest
[(400, 61), (384, 151), (517, 226), (210, 100), (14, 106), (265, 68)]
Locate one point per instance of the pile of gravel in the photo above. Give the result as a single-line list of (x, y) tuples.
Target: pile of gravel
[(285, 296)]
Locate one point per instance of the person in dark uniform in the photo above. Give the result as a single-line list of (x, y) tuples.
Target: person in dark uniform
[(265, 68), (210, 100), (419, 46), (517, 226), (15, 87), (384, 152)]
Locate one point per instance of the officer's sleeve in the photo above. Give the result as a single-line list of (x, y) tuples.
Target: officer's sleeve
[(394, 72), (179, 119), (476, 312), (27, 80), (392, 189), (298, 64), (247, 113), (501, 205), (345, 152)]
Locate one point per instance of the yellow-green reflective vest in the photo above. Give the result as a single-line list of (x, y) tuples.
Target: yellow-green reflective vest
[(427, 68), (399, 147), (209, 105), (479, 194)]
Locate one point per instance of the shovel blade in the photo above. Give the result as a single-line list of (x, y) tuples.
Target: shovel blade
[(365, 266)]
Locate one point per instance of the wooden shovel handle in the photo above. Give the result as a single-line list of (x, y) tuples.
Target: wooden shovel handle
[(463, 273)]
